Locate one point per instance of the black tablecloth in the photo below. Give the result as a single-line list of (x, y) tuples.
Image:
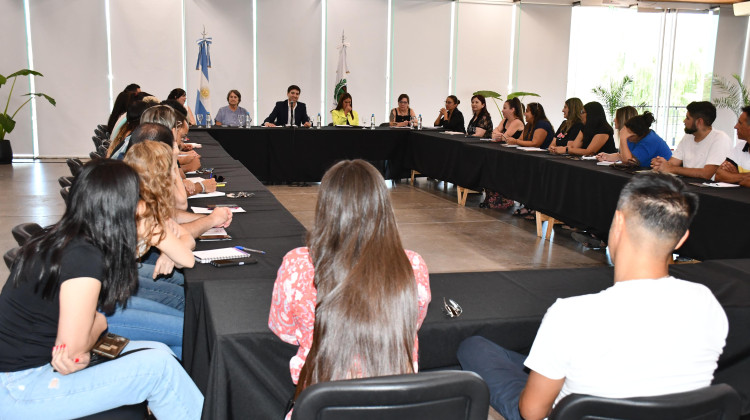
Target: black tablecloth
[(250, 370)]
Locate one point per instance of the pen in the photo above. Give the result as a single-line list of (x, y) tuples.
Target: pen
[(257, 251)]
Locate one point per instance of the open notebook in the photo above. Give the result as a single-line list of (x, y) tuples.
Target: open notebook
[(219, 254)]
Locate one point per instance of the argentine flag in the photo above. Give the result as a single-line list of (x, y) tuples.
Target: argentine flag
[(203, 101), (342, 72)]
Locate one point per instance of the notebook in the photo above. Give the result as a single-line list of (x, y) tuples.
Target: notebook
[(219, 254)]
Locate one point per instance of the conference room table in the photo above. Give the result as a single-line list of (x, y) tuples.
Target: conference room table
[(243, 368), (577, 192)]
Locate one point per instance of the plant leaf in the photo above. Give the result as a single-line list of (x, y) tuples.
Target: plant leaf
[(25, 72), (2, 80), (488, 94), (515, 94), (7, 123), (47, 97)]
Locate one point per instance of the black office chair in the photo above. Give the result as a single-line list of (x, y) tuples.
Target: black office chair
[(21, 233), (126, 412), (102, 134), (10, 256), (97, 141), (719, 402), (102, 150), (443, 395), (65, 181), (64, 193), (102, 127), (94, 155), (75, 166)]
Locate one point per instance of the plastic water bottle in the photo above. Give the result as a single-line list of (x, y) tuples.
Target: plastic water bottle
[(419, 122), (208, 120), (317, 121), (372, 122)]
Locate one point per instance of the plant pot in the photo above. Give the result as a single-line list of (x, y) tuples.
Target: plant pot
[(6, 152)]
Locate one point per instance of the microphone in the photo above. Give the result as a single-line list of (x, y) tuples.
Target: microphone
[(291, 104)]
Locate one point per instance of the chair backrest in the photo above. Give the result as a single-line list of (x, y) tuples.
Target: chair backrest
[(10, 256), (102, 134), (94, 155), (449, 395), (65, 181), (64, 193), (97, 141), (719, 402), (24, 231), (75, 166)]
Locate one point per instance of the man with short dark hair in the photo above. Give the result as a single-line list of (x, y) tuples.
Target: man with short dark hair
[(648, 334), (736, 168), (701, 150), (289, 110)]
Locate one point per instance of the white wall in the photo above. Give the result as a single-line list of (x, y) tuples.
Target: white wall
[(70, 48), (230, 24), (482, 54), (288, 53), (543, 56), (730, 48), (421, 55), (364, 23), (14, 59), (69, 42)]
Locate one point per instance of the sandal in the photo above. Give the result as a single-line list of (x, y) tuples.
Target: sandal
[(523, 212), (589, 240)]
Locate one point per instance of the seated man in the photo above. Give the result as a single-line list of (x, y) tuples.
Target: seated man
[(289, 110), (648, 334), (736, 168), (701, 150)]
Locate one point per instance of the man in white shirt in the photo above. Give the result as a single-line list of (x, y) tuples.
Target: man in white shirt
[(648, 334), (736, 168), (702, 149)]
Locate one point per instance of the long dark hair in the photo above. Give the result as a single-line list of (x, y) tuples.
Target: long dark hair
[(340, 105), (596, 122), (366, 312), (484, 108), (538, 114), (176, 94), (574, 114), (517, 107), (640, 125), (120, 107), (102, 210)]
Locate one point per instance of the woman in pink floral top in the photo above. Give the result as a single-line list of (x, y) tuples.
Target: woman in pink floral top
[(354, 299)]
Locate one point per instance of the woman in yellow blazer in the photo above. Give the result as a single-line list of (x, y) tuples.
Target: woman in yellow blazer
[(344, 114)]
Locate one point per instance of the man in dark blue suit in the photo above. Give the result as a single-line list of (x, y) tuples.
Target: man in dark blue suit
[(289, 110)]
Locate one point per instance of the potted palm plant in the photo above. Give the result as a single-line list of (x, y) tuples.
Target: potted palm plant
[(737, 94), (7, 123)]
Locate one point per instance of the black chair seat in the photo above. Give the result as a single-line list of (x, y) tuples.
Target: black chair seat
[(24, 231), (443, 395), (126, 412), (719, 402), (65, 181), (75, 166)]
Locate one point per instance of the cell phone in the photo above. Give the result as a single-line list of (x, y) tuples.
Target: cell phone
[(234, 262), (110, 345)]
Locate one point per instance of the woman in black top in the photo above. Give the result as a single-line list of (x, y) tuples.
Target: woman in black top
[(569, 129), (480, 124), (538, 131), (596, 136), (450, 118), (512, 125), (402, 115)]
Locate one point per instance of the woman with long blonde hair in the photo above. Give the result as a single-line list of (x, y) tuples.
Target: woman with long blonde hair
[(353, 299)]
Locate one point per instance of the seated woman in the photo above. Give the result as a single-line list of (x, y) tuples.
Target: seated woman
[(622, 115), (480, 124), (450, 118), (49, 318), (230, 115), (596, 136), (538, 131), (402, 116), (512, 125), (569, 129), (180, 96), (119, 144), (638, 143), (344, 114), (329, 296)]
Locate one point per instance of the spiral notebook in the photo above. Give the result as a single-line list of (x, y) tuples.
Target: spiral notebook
[(219, 254)]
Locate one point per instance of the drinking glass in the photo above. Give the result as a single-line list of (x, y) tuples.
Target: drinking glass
[(199, 117)]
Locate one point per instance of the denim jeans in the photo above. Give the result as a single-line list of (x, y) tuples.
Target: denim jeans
[(501, 369), (167, 290), (153, 375), (146, 320)]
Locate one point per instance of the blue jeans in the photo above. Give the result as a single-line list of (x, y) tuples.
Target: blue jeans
[(146, 320), (152, 375), (501, 369), (167, 290)]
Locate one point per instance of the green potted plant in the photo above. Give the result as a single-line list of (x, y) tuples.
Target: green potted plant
[(7, 123), (495, 96), (617, 96), (737, 94)]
